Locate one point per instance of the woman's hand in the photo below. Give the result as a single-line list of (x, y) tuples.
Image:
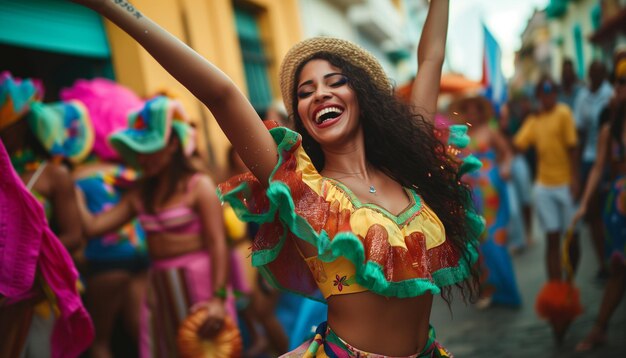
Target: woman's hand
[(580, 213), (215, 319), (505, 172)]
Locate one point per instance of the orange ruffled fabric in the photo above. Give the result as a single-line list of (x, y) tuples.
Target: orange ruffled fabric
[(401, 256), (558, 301)]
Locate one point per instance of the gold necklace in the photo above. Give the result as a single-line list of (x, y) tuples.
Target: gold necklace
[(372, 189)]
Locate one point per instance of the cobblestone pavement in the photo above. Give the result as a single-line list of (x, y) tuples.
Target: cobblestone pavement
[(505, 332)]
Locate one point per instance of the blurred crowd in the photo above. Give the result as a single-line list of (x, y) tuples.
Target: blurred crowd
[(553, 162)]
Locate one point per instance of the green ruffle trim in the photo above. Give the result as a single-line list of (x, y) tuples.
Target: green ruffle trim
[(458, 137), (344, 244)]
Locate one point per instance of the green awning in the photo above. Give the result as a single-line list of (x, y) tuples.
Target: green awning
[(53, 25), (255, 61), (556, 8)]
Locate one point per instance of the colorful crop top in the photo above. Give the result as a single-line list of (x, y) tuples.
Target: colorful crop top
[(361, 247), (180, 219), (103, 189)]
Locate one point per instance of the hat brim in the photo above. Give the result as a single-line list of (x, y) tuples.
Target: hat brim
[(129, 142), (159, 117), (63, 128)]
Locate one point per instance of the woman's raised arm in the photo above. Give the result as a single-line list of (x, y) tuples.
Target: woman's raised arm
[(430, 56), (108, 221), (231, 108)]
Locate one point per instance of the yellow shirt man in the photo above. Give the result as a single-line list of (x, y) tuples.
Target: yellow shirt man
[(553, 134)]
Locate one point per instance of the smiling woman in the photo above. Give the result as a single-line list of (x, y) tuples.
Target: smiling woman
[(363, 202)]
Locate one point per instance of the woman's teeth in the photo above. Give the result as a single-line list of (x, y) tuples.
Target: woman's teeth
[(327, 113)]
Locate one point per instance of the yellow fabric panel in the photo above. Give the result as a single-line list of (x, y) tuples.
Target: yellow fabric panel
[(429, 224), (309, 174), (363, 218), (332, 193)]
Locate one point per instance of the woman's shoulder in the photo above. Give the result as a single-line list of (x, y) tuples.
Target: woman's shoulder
[(54, 177), (199, 184), (199, 180), (56, 171)]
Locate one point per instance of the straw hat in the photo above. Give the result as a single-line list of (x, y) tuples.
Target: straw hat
[(305, 50)]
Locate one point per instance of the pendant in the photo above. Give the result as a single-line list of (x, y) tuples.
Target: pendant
[(372, 189)]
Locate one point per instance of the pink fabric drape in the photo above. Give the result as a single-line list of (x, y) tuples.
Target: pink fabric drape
[(28, 244)]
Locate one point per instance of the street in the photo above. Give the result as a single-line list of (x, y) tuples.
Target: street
[(505, 332)]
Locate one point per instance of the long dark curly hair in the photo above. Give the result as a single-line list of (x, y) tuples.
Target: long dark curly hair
[(402, 143)]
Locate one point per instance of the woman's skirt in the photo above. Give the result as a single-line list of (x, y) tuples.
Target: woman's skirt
[(174, 286), (326, 344)]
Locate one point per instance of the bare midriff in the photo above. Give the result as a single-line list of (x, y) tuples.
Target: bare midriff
[(376, 324), (166, 245)]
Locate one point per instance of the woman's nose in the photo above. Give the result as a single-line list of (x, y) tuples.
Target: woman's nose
[(322, 93)]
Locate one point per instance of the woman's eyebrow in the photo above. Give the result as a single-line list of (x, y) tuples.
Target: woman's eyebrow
[(333, 74), (309, 82)]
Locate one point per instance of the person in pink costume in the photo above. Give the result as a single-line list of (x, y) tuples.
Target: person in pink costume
[(177, 207), (31, 253)]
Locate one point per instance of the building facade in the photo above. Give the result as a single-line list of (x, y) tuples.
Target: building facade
[(582, 30), (61, 42)]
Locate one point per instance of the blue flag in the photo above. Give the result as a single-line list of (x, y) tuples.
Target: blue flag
[(493, 79)]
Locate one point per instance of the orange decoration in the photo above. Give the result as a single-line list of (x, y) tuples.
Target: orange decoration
[(226, 344)]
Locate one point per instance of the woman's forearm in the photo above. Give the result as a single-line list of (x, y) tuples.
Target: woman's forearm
[(203, 79), (430, 56), (232, 110), (219, 260), (432, 45), (105, 222)]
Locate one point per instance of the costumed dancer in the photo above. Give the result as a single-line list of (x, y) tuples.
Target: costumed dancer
[(182, 217), (519, 186), (498, 283), (116, 262), (611, 156), (367, 204), (41, 314)]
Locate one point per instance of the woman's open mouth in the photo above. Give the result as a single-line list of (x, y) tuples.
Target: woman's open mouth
[(327, 116)]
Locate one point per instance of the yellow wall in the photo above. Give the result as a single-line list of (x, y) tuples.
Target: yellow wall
[(209, 27)]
